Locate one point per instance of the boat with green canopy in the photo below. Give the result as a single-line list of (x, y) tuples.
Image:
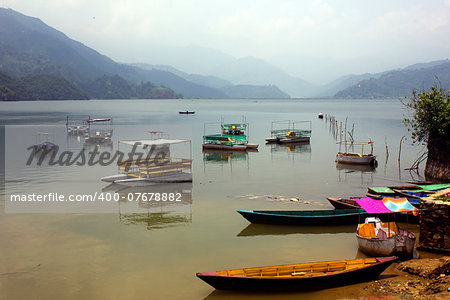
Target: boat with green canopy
[(233, 136)]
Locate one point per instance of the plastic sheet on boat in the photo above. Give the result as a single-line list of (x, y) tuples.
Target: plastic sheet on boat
[(386, 205)]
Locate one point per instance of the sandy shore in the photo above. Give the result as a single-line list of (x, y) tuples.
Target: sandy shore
[(426, 278)]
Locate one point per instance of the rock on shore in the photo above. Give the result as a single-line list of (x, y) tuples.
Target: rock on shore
[(427, 278)]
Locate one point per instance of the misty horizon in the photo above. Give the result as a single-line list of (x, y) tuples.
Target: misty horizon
[(317, 41)]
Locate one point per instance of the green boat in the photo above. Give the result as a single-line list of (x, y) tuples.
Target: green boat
[(233, 137)]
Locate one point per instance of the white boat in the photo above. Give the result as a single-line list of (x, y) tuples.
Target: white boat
[(156, 165), (355, 158), (100, 131), (77, 125), (376, 238), (346, 157)]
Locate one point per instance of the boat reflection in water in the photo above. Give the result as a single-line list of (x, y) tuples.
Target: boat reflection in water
[(292, 150), (345, 171), (219, 160), (156, 206), (219, 156), (264, 229)]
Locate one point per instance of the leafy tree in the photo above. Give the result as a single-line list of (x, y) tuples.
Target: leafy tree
[(431, 115), (430, 123)]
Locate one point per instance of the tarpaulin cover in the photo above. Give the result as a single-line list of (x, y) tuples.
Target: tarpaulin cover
[(387, 205), (371, 205), (399, 204)]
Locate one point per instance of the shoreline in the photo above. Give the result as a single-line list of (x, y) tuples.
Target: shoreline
[(423, 278)]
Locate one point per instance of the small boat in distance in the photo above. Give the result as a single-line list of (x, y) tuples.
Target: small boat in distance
[(376, 238), (300, 277), (354, 157), (77, 125), (320, 115), (186, 112), (100, 131)]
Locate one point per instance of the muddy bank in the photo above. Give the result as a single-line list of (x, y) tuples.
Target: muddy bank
[(426, 278)]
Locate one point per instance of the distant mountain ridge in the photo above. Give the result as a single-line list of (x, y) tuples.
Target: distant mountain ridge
[(28, 46), (232, 91), (253, 71), (401, 83)]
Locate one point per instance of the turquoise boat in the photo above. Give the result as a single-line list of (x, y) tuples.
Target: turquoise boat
[(309, 217), (233, 137)]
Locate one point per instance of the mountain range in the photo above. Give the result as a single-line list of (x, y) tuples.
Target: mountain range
[(28, 46)]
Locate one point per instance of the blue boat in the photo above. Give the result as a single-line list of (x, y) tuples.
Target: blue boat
[(310, 217)]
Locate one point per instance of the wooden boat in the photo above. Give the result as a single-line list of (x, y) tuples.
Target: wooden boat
[(303, 276), (340, 203), (376, 238), (307, 217), (409, 190), (290, 132), (413, 194), (186, 112), (353, 157)]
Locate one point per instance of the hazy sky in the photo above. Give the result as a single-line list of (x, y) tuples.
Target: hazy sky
[(301, 37)]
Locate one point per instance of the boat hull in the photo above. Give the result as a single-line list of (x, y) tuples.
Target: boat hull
[(345, 158), (400, 245), (346, 277), (243, 147), (321, 217), (288, 140), (126, 180)]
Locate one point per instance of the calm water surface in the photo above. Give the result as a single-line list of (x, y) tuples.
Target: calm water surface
[(154, 254)]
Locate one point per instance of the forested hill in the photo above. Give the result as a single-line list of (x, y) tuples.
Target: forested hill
[(38, 87), (401, 83), (28, 46), (53, 87)]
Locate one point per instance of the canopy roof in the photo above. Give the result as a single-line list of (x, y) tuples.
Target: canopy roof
[(155, 142), (387, 205)]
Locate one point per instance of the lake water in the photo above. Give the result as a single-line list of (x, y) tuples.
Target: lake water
[(125, 251)]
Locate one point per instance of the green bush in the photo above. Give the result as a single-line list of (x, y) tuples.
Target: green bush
[(430, 115)]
